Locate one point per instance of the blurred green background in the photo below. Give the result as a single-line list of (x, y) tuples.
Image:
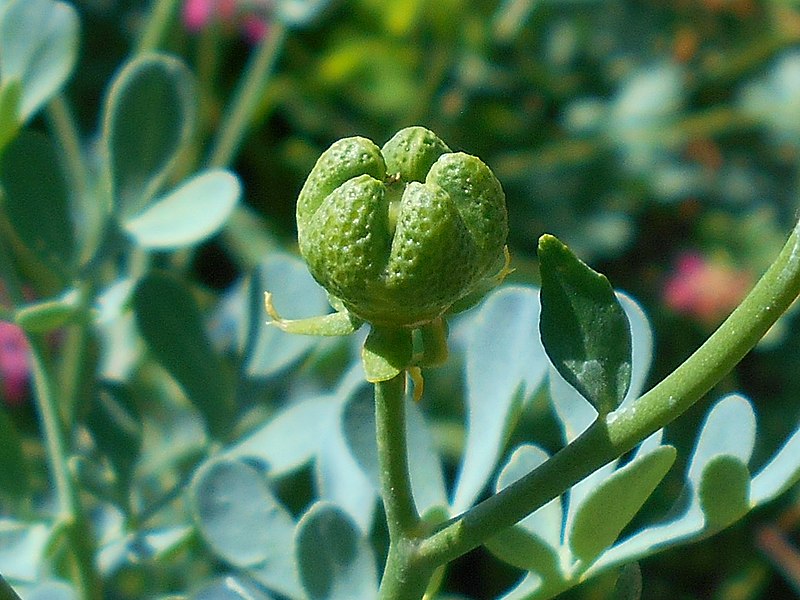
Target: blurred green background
[(660, 140)]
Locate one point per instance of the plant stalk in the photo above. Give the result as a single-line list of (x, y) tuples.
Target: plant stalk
[(623, 429)]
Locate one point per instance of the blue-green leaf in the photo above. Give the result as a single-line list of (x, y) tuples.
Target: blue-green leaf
[(724, 492), (779, 474), (22, 548), (505, 363), (244, 524), (149, 118), (14, 468), (169, 321), (230, 588), (584, 329), (611, 506), (38, 48), (335, 561), (37, 200), (295, 295), (187, 215)]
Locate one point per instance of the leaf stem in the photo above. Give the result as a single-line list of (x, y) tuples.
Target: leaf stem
[(70, 516), (62, 124), (246, 98), (623, 429), (157, 25)]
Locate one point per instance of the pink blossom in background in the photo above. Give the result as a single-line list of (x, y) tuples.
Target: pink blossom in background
[(707, 290), (14, 363), (249, 17)]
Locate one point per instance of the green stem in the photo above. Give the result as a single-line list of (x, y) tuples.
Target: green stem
[(623, 429), (6, 591), (401, 579), (70, 518), (157, 25), (246, 98), (390, 430)]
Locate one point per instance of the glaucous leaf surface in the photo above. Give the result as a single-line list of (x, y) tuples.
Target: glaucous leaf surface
[(244, 524), (36, 200), (38, 48), (584, 329), (187, 215), (169, 320), (334, 559), (230, 587), (505, 363), (22, 549), (149, 118)]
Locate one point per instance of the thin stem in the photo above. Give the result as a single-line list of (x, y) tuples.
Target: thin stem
[(623, 429), (247, 97), (390, 430), (157, 25), (70, 515), (62, 124)]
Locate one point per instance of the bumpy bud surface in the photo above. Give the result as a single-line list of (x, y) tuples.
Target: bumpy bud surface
[(400, 234)]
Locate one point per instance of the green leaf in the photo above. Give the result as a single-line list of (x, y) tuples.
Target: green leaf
[(386, 353), (47, 315), (335, 561), (38, 48), (244, 524), (149, 118), (629, 583), (190, 214), (169, 320), (724, 492), (14, 472), (584, 329), (22, 549), (611, 506), (37, 200), (10, 93), (504, 362)]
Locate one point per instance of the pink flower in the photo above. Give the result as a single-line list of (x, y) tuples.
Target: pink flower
[(705, 289), (248, 16), (14, 365)]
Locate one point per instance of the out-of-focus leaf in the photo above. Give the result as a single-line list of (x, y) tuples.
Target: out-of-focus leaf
[(612, 505), (38, 48), (14, 473), (9, 107), (295, 295), (22, 548), (724, 492), (584, 329), (148, 121), (230, 588), (300, 13), (629, 583), (36, 200), (47, 315), (48, 590), (191, 213), (505, 363), (335, 561), (779, 474), (244, 524), (169, 320)]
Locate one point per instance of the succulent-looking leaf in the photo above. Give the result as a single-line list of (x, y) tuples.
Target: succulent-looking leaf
[(38, 49), (629, 583), (169, 320), (505, 362), (230, 588), (188, 215), (244, 524), (386, 353), (584, 329), (724, 492), (779, 474), (149, 118), (611, 506), (36, 200), (335, 561), (22, 548)]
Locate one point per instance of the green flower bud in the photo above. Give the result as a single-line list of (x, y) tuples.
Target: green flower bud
[(401, 234)]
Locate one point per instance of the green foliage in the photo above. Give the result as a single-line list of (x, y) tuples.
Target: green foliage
[(166, 434)]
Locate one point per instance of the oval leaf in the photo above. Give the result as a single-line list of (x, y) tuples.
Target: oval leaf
[(584, 329), (169, 321), (724, 492), (243, 523), (612, 505), (335, 562), (37, 200), (38, 48), (149, 118), (189, 214)]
